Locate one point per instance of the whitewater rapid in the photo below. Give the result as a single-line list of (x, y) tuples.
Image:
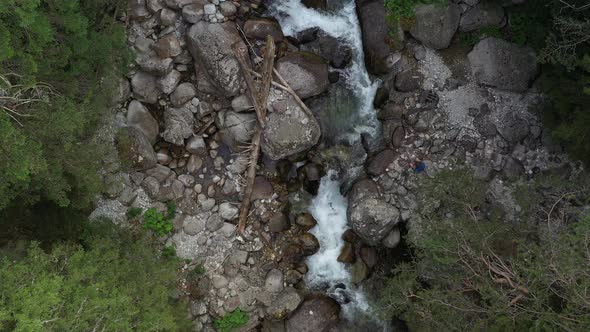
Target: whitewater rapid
[(329, 209)]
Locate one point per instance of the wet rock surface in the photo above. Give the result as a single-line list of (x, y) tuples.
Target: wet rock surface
[(376, 39), (306, 73)]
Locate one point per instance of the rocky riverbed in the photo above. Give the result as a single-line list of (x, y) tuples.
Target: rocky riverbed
[(184, 118)]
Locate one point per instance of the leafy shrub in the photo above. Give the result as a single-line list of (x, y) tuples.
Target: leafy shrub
[(157, 222), (169, 251), (231, 321), (171, 209), (134, 212), (528, 28), (469, 39), (198, 271), (404, 9)]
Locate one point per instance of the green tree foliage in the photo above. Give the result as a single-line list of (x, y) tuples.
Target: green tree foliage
[(567, 111), (475, 271), (58, 59), (112, 282), (566, 75)]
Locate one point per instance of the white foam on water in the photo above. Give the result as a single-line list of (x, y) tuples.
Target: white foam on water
[(329, 210)]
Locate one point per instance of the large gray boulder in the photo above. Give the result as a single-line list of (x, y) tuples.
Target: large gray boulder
[(260, 28), (333, 50), (211, 45), (370, 217), (168, 83), (140, 118), (377, 42), (133, 146), (435, 25), (288, 129), (306, 73), (236, 129), (485, 14), (319, 313), (182, 94), (506, 66), (151, 63), (179, 124), (167, 46), (145, 87), (148, 60), (138, 10), (513, 128), (193, 13), (284, 304)]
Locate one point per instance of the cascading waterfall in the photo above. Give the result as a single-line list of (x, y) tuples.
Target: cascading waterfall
[(329, 206), (343, 24), (329, 209)]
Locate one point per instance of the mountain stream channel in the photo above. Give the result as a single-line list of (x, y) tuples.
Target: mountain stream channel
[(329, 206)]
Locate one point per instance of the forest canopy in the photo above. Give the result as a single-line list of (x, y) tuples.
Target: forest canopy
[(113, 280), (58, 61)]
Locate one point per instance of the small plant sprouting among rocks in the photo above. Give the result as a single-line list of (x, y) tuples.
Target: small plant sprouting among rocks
[(232, 321), (404, 9), (134, 212), (155, 221), (198, 271), (169, 251)]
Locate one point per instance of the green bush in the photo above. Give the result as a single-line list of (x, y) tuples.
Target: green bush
[(198, 271), (113, 282), (169, 251), (134, 212), (232, 321), (469, 39), (157, 222), (171, 209), (404, 9)]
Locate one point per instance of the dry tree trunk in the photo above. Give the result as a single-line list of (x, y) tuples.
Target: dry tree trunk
[(259, 99)]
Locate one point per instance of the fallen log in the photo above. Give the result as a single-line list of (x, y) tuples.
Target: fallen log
[(259, 99)]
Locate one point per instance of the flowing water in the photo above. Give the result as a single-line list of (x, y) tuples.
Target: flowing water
[(341, 23), (329, 206)]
